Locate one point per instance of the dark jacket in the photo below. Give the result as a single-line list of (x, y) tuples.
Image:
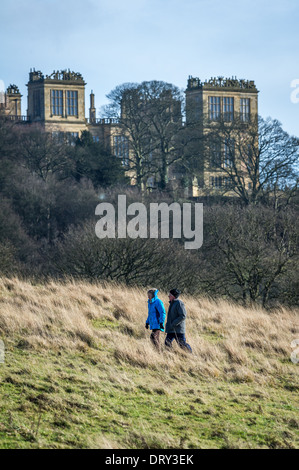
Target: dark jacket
[(176, 317)]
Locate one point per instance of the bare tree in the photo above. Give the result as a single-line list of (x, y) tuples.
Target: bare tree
[(132, 261), (247, 250), (150, 115), (257, 158), (44, 154), (124, 106)]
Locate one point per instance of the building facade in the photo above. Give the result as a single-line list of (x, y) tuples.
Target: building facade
[(234, 104), (56, 102), (10, 103)]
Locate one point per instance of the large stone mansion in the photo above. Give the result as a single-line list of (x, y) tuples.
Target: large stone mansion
[(56, 102)]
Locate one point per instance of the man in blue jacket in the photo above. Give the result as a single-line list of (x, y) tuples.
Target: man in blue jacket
[(176, 321), (156, 316)]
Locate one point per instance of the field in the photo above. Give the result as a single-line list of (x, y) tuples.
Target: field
[(80, 372)]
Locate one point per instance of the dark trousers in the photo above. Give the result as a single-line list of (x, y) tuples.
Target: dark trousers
[(155, 338), (180, 339)]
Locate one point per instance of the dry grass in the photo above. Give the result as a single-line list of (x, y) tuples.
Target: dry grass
[(242, 344), (81, 372)]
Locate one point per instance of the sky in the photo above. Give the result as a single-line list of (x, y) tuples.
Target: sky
[(116, 41)]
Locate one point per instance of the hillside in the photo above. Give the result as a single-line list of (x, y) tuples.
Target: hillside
[(80, 372)]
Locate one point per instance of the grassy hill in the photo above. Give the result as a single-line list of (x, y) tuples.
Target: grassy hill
[(80, 372)]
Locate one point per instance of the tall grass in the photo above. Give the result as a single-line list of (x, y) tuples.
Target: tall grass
[(240, 344)]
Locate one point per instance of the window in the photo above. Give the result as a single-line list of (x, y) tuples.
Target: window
[(36, 104), (229, 152), (220, 182), (228, 109), (121, 148), (71, 137), (250, 163), (218, 104), (57, 102), (58, 136), (96, 138), (72, 103), (215, 154), (197, 108), (151, 182), (245, 109), (227, 182), (216, 181), (214, 108)]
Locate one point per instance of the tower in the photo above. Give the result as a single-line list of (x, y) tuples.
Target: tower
[(220, 97), (57, 101), (10, 104), (229, 101)]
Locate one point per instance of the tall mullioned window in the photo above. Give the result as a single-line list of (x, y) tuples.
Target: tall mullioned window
[(214, 107), (245, 109), (228, 109), (57, 102), (229, 152), (36, 103), (216, 181), (121, 148), (72, 103), (215, 155), (197, 108), (71, 137)]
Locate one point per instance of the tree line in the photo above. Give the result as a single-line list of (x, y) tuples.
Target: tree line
[(49, 191)]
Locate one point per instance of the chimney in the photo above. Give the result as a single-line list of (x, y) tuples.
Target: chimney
[(92, 109)]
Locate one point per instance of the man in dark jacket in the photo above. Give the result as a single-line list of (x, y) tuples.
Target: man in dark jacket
[(176, 321)]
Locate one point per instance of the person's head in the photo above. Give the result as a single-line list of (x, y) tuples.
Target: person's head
[(173, 294), (151, 293)]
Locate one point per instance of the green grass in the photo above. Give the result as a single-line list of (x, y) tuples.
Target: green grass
[(66, 400), (80, 372)]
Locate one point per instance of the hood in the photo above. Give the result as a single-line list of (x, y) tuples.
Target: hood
[(155, 297)]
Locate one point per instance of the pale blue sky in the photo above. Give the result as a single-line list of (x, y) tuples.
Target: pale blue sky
[(111, 42)]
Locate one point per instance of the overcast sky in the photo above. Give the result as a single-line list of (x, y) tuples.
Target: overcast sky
[(115, 41)]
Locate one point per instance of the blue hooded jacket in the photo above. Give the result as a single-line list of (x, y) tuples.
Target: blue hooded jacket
[(156, 312)]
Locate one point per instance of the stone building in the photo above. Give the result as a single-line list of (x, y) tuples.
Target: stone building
[(56, 102), (228, 100), (10, 103)]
